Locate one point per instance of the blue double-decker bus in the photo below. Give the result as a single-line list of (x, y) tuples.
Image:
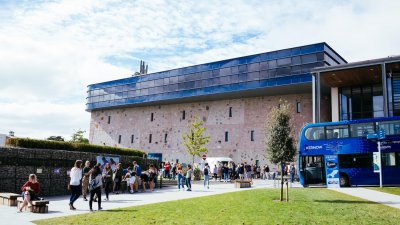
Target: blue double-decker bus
[(347, 142)]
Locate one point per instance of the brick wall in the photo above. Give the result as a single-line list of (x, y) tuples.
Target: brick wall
[(247, 114), (17, 163)]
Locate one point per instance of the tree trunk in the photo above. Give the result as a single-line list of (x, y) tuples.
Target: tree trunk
[(281, 182), (193, 161)]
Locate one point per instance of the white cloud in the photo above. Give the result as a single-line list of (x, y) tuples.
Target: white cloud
[(50, 51)]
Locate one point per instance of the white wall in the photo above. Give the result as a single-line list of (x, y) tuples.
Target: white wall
[(335, 103), (3, 140)]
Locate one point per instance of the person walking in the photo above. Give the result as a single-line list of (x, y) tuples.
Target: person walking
[(107, 177), (188, 178), (266, 172), (117, 178), (30, 191), (85, 180), (225, 170), (179, 171), (206, 172), (174, 172), (292, 172), (95, 184), (75, 183)]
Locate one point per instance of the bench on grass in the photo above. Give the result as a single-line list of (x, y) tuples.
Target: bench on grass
[(9, 199), (242, 184), (38, 206)]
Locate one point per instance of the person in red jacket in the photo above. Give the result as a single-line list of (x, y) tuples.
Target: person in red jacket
[(30, 191)]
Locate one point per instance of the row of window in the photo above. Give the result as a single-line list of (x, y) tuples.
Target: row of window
[(132, 90), (366, 160), (166, 137), (352, 130)]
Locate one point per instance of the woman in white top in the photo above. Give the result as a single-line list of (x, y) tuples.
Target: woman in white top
[(75, 183)]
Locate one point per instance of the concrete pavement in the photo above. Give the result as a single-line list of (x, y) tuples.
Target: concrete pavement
[(371, 195)]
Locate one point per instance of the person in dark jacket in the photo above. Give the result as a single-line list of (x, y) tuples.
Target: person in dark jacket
[(117, 178)]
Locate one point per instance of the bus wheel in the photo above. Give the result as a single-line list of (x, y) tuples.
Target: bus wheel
[(344, 180)]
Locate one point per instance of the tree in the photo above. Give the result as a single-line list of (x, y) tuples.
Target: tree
[(195, 141), (77, 136), (280, 146), (55, 138)]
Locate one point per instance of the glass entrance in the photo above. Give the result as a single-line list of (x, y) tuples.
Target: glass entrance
[(313, 170)]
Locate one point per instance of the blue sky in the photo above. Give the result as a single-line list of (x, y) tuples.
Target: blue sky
[(51, 50)]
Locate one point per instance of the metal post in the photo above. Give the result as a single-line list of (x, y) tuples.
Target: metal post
[(318, 99), (384, 90), (380, 164), (287, 191), (314, 111)]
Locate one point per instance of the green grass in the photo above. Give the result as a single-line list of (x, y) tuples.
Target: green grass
[(390, 190), (307, 206)]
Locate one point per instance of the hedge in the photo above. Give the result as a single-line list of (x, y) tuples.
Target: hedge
[(71, 146)]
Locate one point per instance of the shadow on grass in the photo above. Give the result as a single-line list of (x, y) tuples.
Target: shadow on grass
[(122, 210), (346, 201)]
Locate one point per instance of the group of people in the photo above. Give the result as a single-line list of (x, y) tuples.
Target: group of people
[(90, 181)]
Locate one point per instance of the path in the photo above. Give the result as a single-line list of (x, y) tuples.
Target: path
[(59, 205), (371, 195)]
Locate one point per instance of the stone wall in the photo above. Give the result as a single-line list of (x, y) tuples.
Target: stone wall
[(248, 114), (50, 166)]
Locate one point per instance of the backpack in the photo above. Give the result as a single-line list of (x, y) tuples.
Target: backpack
[(206, 171), (92, 184)]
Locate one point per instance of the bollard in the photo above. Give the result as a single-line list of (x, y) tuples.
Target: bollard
[(287, 191)]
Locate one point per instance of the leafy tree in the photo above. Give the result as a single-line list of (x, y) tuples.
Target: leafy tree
[(55, 138), (280, 146), (194, 140), (78, 137)]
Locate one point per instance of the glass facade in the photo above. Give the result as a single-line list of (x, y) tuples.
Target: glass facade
[(361, 102), (271, 69)]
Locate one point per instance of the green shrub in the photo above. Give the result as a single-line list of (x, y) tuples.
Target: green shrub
[(71, 146)]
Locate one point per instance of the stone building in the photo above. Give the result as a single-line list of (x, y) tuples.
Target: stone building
[(233, 97)]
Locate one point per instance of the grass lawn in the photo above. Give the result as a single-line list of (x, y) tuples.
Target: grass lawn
[(390, 190), (307, 206)]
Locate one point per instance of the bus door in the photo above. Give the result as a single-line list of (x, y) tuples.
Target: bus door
[(313, 170)]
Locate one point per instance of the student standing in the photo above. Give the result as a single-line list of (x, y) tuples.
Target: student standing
[(95, 184), (138, 172), (179, 170), (75, 183), (206, 172), (107, 176), (117, 177), (85, 180), (215, 172), (189, 177)]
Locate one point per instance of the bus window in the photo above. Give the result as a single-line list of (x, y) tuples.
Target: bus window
[(355, 160), (340, 131), (390, 127), (361, 129), (388, 159), (315, 133)]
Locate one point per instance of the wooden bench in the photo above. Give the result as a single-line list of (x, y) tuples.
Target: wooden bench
[(9, 199), (38, 206), (242, 184)]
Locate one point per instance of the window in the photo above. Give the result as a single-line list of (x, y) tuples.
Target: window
[(150, 136), (252, 135), (152, 117), (339, 131), (226, 136), (315, 133), (362, 129), (165, 137), (388, 159), (132, 138), (298, 109), (390, 127), (230, 111), (109, 119), (119, 139), (183, 115), (355, 160)]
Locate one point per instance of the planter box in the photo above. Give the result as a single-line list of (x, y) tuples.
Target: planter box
[(242, 184)]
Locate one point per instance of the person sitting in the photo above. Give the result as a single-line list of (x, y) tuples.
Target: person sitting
[(30, 191), (145, 179)]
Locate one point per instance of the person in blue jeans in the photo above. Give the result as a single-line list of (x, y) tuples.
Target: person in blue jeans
[(292, 173), (180, 177), (225, 169), (206, 172), (189, 177)]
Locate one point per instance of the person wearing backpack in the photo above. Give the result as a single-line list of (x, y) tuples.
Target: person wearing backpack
[(206, 172), (138, 172), (95, 184)]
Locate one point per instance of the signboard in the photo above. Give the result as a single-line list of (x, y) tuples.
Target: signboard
[(157, 156), (332, 171), (376, 156), (103, 160)]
